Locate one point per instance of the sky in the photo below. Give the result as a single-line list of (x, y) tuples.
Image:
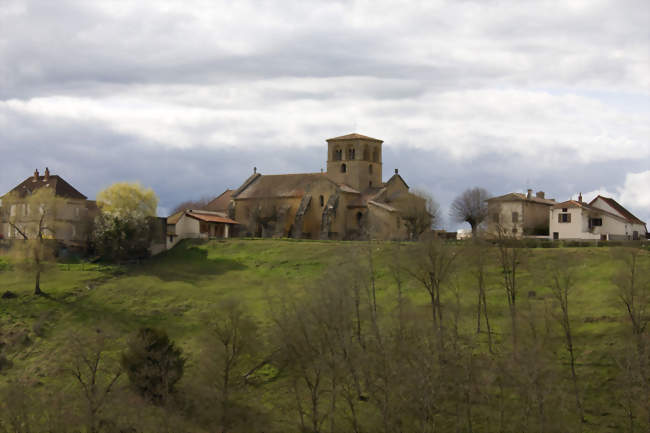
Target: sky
[(186, 97)]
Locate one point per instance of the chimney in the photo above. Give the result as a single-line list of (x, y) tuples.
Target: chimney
[(580, 197), (396, 171), (530, 194), (540, 194), (36, 175), (47, 174)]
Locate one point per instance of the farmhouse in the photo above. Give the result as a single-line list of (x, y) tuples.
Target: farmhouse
[(198, 224), (602, 219), (73, 217), (519, 214), (348, 201)]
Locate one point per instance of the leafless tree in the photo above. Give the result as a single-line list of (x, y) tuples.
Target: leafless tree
[(95, 372), (470, 207), (198, 204), (419, 212), (562, 273)]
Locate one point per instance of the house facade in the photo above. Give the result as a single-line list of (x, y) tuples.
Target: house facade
[(348, 201), (601, 219), (74, 212), (519, 214)]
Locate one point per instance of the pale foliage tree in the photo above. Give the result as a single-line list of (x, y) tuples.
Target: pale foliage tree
[(34, 220)]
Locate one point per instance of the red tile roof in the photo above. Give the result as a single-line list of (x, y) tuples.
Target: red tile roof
[(210, 218)]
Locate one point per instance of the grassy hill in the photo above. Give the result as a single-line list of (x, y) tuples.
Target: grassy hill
[(180, 291)]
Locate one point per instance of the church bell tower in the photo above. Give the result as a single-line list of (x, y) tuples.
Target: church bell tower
[(354, 160)]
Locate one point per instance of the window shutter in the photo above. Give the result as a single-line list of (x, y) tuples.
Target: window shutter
[(559, 217), (568, 217)]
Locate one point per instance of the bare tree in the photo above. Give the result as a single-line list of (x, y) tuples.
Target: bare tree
[(197, 204), (419, 211), (95, 371), (562, 276), (470, 207)]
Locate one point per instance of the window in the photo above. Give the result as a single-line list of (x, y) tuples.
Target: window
[(322, 201), (515, 217), (370, 169), (564, 209), (351, 154), (374, 156), (343, 168), (564, 218), (365, 153), (595, 222), (514, 229), (556, 235), (369, 184), (338, 154)]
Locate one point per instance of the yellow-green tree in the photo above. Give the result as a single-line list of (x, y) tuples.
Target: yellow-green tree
[(123, 229), (33, 220)]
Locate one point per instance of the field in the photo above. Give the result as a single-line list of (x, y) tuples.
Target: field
[(180, 291)]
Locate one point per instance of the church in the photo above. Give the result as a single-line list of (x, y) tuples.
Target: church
[(348, 201)]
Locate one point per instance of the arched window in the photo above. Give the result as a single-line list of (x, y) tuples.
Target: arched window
[(359, 218), (370, 169), (351, 153), (343, 168), (375, 156), (338, 154), (322, 201)]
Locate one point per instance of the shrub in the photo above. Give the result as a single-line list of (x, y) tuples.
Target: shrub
[(153, 364)]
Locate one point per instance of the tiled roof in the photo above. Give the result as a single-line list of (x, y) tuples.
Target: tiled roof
[(278, 185), (60, 187), (620, 209), (221, 202), (519, 196), (354, 136), (211, 218)]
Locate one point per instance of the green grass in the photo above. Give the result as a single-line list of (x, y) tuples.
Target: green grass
[(180, 290)]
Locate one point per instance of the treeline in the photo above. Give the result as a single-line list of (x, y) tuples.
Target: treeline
[(486, 353)]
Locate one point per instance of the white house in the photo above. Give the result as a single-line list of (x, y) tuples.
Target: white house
[(198, 224), (602, 219)]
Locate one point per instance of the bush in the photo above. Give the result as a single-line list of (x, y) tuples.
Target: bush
[(154, 365)]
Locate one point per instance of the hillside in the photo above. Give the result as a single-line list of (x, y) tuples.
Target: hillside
[(182, 291)]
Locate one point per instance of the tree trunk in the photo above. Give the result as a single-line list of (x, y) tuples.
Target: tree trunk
[(37, 286)]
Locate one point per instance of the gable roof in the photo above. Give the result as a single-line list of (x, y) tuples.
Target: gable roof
[(221, 202), (354, 136), (586, 206), (517, 196), (619, 208), (277, 185), (396, 177), (56, 183)]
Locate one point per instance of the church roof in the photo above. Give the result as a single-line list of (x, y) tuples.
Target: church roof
[(221, 202), (354, 136), (278, 185)]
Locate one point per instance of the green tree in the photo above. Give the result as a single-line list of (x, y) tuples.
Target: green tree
[(153, 363)]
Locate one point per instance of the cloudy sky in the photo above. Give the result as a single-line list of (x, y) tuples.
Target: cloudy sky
[(188, 96)]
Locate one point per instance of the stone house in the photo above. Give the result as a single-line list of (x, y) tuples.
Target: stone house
[(601, 219), (348, 201), (74, 216), (519, 214)]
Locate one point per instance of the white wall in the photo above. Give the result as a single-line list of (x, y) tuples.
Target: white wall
[(578, 228)]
